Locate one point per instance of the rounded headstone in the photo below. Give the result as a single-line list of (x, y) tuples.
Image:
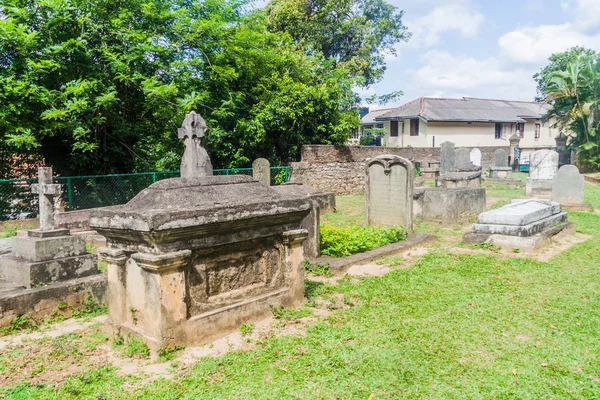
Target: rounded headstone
[(261, 171), (475, 157), (567, 186)]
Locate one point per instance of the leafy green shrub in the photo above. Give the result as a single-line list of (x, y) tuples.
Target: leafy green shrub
[(320, 269), (345, 241)]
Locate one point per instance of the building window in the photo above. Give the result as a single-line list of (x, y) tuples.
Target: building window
[(414, 127), (380, 126), (537, 131), (393, 128), (498, 134), (521, 129)]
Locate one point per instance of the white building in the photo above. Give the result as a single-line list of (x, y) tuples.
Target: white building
[(472, 122)]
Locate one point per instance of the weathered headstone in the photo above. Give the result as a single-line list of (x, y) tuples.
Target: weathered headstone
[(195, 161), (46, 191), (500, 169), (543, 165), (261, 171), (462, 156), (475, 157), (47, 255), (389, 191), (568, 186), (447, 157)]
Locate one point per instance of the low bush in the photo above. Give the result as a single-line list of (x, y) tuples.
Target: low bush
[(345, 241)]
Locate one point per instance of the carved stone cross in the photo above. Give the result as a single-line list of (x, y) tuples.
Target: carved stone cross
[(46, 190), (195, 161)]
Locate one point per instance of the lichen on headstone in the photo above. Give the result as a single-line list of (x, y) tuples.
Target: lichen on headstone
[(195, 162)]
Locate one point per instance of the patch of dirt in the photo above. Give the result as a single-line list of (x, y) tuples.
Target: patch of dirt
[(370, 269), (560, 243)]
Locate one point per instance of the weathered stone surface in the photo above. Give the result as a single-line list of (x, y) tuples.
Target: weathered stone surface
[(500, 159), (455, 180), (46, 190), (543, 164), (389, 191), (524, 230), (473, 238), (521, 212), (261, 171), (32, 274), (447, 204), (198, 257), (195, 162), (5, 246), (78, 220), (462, 156), (447, 157), (326, 200), (538, 188), (531, 243), (568, 184), (42, 249), (475, 157)]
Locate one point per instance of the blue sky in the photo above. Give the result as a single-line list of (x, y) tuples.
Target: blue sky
[(483, 48)]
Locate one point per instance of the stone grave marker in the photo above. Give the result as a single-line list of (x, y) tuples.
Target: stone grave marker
[(567, 188), (543, 165), (500, 159), (389, 191), (261, 171), (195, 161), (475, 157), (447, 157), (500, 169), (462, 157)]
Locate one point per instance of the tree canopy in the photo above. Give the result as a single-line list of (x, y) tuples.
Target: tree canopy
[(571, 84), (97, 86)]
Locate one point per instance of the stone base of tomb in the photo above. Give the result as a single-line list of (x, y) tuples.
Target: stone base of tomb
[(541, 188), (501, 172), (40, 303), (522, 230), (47, 257), (523, 244), (508, 181), (456, 180), (430, 174), (447, 204)]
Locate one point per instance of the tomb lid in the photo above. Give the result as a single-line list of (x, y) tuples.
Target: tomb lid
[(180, 202), (520, 212)]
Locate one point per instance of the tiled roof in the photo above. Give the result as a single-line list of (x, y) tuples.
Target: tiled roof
[(467, 109)]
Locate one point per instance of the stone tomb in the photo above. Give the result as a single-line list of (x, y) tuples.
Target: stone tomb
[(389, 191), (47, 255), (523, 224), (261, 171), (568, 187), (190, 260), (500, 169), (543, 165)]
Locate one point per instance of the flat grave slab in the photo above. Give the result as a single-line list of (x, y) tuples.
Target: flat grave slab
[(520, 213)]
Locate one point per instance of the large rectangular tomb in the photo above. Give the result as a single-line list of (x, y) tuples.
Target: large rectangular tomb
[(523, 224)]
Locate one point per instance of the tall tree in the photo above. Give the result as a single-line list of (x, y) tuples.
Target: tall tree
[(354, 34), (98, 86)]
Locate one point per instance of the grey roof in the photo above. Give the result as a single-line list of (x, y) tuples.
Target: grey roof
[(370, 117), (467, 109)]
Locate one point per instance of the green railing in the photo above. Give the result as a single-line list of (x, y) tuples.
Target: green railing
[(92, 191)]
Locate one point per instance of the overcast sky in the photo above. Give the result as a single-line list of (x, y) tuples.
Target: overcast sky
[(484, 48)]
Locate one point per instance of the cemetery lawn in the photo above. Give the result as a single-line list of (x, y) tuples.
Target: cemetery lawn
[(451, 325)]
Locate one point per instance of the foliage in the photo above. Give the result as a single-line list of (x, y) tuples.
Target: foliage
[(168, 353), (18, 324), (246, 329), (571, 83), (289, 314), (9, 231), (345, 241), (354, 34), (319, 269), (102, 86), (91, 308)]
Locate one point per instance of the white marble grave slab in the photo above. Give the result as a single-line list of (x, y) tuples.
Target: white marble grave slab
[(520, 213)]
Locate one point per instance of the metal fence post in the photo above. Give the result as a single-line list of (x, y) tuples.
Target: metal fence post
[(69, 193), (154, 177)]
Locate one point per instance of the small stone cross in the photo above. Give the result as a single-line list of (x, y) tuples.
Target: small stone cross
[(195, 162), (46, 190)]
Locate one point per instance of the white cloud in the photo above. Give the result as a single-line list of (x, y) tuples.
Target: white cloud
[(428, 28), (455, 76), (587, 14), (534, 45)]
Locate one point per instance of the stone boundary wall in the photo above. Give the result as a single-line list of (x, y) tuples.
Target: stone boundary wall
[(341, 169)]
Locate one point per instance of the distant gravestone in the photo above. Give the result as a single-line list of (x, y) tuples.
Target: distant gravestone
[(447, 157), (543, 164), (475, 157), (389, 191), (462, 156), (500, 159), (261, 171), (195, 162), (567, 187)]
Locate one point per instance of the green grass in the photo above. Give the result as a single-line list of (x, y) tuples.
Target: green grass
[(451, 326), (350, 212)]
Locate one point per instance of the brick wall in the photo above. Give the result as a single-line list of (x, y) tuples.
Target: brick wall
[(341, 169)]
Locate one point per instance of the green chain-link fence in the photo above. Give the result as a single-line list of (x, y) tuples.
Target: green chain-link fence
[(82, 192)]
